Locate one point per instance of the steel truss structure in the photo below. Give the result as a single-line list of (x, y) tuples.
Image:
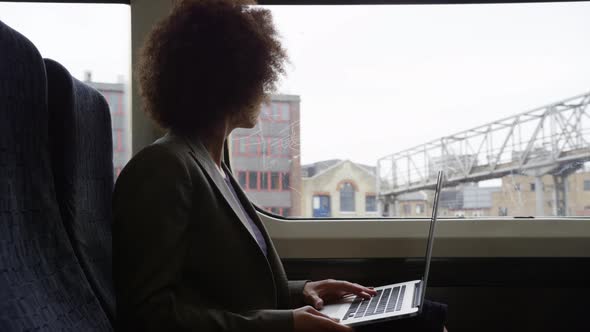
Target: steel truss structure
[(553, 139)]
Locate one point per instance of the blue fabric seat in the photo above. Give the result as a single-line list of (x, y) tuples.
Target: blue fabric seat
[(82, 162), (42, 284)]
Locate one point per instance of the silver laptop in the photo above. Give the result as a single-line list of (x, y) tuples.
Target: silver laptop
[(392, 301)]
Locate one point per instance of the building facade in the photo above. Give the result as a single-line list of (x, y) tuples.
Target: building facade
[(466, 200), (266, 158), (518, 196), (338, 189), (413, 205), (116, 96)]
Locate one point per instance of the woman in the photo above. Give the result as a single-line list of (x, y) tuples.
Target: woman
[(190, 252)]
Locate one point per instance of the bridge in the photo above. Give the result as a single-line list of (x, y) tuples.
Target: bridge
[(553, 139)]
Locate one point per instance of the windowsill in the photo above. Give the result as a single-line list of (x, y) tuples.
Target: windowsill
[(482, 237)]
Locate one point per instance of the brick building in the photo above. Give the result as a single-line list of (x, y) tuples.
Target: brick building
[(116, 96), (266, 158), (518, 195)]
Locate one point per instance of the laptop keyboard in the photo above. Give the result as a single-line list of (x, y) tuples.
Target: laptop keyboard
[(386, 300)]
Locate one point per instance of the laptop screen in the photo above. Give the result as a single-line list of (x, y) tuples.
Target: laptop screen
[(438, 188)]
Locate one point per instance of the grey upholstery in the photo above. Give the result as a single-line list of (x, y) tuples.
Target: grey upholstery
[(42, 285), (82, 162)]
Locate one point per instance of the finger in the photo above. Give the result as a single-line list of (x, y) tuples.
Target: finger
[(318, 303), (366, 295), (355, 289), (370, 290)]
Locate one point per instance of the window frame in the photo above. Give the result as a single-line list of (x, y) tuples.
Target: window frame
[(316, 2), (390, 237)]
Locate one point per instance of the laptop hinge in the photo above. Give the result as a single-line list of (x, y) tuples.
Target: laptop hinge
[(417, 295)]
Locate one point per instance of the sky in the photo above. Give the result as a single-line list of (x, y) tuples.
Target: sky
[(373, 80)]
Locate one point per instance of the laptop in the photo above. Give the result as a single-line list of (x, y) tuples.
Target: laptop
[(394, 301)]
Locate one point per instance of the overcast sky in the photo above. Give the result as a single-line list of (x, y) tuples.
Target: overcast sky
[(373, 80)]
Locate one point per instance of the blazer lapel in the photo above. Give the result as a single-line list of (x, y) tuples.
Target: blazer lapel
[(251, 211), (201, 156), (273, 258)]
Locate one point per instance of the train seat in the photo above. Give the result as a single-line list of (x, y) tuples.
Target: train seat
[(42, 283)]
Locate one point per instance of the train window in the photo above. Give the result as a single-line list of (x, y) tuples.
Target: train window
[(92, 41), (383, 97)]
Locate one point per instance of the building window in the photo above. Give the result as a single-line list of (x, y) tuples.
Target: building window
[(276, 115), (114, 102), (253, 180), (242, 145), (586, 185), (321, 206), (253, 145), (419, 208), (275, 210), (264, 181), (242, 179), (285, 183), (370, 203), (532, 187), (274, 181), (407, 209), (347, 198), (285, 112)]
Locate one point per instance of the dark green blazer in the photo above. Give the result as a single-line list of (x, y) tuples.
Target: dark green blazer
[(184, 259)]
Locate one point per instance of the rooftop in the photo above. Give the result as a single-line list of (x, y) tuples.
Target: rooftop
[(310, 170)]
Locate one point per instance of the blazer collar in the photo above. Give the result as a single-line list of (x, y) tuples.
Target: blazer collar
[(243, 198), (202, 157)]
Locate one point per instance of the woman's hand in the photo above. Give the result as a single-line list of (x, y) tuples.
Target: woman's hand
[(317, 293), (308, 319)]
